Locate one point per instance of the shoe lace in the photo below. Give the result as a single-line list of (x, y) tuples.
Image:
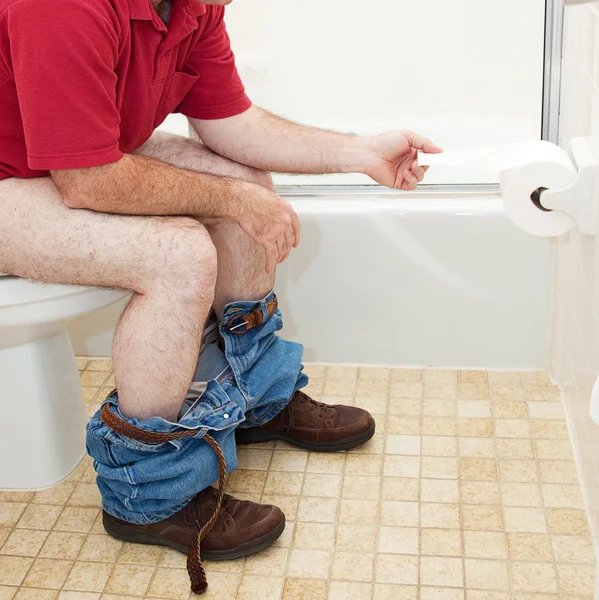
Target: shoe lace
[(325, 410), (195, 568)]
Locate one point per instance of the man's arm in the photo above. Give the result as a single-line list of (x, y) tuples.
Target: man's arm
[(259, 139), (137, 185)]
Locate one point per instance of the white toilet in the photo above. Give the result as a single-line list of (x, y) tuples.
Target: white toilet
[(42, 413)]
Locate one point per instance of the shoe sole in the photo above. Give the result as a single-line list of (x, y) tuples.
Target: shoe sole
[(257, 436), (131, 534)]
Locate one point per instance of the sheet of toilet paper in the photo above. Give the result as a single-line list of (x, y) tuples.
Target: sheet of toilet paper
[(523, 168)]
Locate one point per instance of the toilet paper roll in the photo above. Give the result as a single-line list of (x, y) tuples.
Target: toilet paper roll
[(523, 168)]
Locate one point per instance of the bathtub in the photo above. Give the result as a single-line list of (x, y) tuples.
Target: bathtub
[(429, 278)]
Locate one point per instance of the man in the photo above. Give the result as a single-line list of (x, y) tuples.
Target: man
[(89, 196)]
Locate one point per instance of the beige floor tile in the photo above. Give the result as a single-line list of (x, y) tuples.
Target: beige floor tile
[(439, 445), (346, 590), (405, 389), (536, 378), (530, 547), (480, 492), (441, 593), (512, 428), (477, 447), (360, 486), (58, 494), (256, 587), (567, 522), (76, 519), (375, 445), (510, 410), (39, 516), (377, 406), (400, 488), (310, 564), (100, 364), (485, 595), (402, 466), (439, 390), (93, 378), (286, 538), (253, 458), (317, 510), (406, 375), (438, 571), (478, 469), (487, 574), (434, 407), (546, 410), (404, 425), (49, 573), (508, 393), (485, 544), (524, 471), (271, 561), (534, 577), (325, 463), (446, 376), (139, 554), (100, 548), (60, 544), (577, 579), (288, 460), (470, 376), (4, 533), (475, 428), (88, 576), (439, 426), (441, 542), (408, 406), (288, 504), (554, 430), (24, 542), (23, 497), (474, 409), (398, 540), (562, 496), (505, 378), (365, 512), (322, 484), (339, 387), (400, 514), (315, 536), (440, 490), (129, 579), (276, 482), (558, 472), (221, 586), (374, 373), (543, 393), (521, 494), (356, 538), (36, 594), (305, 589), (170, 583), (524, 520), (233, 567), (384, 591), (573, 549), (482, 518), (514, 449), (403, 444), (341, 372), (473, 391), (358, 464), (353, 566), (554, 450), (439, 467), (373, 388), (395, 568), (442, 516), (13, 569)]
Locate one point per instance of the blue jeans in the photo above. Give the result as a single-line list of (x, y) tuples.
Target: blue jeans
[(246, 386)]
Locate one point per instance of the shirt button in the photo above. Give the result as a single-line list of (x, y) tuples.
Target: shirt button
[(226, 415)]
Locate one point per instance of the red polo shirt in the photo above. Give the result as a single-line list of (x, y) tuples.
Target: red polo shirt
[(84, 81)]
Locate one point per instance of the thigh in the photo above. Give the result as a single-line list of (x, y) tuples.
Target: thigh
[(42, 239)]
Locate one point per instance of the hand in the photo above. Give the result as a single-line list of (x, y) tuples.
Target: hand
[(271, 222), (394, 158)]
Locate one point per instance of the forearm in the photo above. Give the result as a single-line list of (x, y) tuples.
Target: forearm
[(137, 185), (259, 139)]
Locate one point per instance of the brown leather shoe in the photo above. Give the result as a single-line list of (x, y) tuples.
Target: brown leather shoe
[(241, 529), (313, 425)]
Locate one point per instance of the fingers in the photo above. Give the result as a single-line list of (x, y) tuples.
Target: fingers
[(297, 227), (272, 256), (421, 142), (410, 180)]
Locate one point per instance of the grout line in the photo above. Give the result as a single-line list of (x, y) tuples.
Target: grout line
[(499, 485)]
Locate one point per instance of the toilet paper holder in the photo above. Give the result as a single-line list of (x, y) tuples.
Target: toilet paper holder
[(580, 198)]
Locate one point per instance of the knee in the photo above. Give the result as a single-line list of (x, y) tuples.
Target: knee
[(186, 256)]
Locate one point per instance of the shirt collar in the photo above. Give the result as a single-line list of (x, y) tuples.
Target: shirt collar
[(142, 10)]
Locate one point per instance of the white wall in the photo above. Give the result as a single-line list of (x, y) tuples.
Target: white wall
[(465, 72), (575, 356)]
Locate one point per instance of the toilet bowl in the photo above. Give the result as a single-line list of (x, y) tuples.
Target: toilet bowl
[(42, 413)]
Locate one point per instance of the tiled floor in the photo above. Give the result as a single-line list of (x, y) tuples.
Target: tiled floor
[(467, 492)]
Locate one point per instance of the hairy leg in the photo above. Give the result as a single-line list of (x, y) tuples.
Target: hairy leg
[(169, 263), (241, 262)]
